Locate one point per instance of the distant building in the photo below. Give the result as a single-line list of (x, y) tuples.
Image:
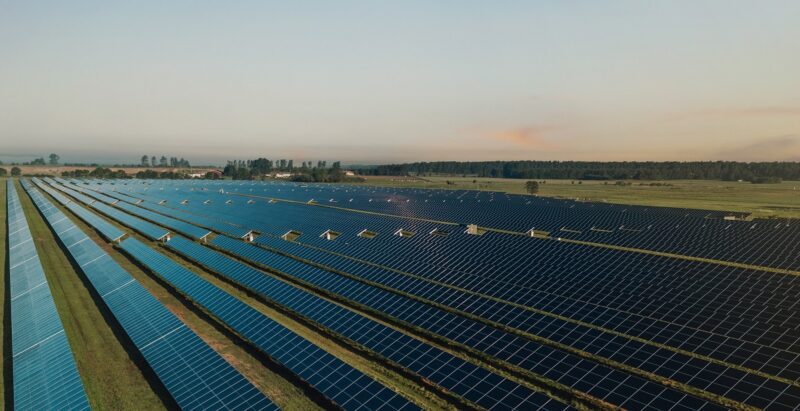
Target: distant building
[(216, 174), (349, 173), (283, 175)]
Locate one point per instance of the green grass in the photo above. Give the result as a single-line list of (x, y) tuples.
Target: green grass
[(111, 378), (762, 200)]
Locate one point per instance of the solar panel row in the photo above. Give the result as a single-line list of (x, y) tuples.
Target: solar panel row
[(146, 228), (194, 374), (595, 379), (154, 204), (43, 369), (643, 393), (414, 257), (692, 232), (454, 374), (701, 324), (108, 230), (337, 380), (176, 225), (743, 386)]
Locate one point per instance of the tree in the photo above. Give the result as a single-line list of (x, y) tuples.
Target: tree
[(145, 161), (153, 161), (54, 159), (3, 172), (163, 161), (532, 187), (15, 171)]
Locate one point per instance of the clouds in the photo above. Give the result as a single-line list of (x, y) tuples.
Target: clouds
[(530, 137)]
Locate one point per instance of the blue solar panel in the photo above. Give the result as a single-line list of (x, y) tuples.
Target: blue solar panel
[(454, 374), (332, 377), (43, 369), (152, 203), (108, 230), (147, 229), (193, 373), (728, 331), (169, 222)]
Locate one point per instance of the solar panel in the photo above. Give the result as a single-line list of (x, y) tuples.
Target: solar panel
[(108, 230), (750, 388), (530, 355), (44, 373), (337, 380), (454, 374), (193, 373), (729, 331), (174, 224)]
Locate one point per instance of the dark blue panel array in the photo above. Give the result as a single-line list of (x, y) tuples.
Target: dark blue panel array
[(44, 372), (147, 229), (628, 391), (727, 330), (746, 387), (171, 223), (108, 230), (335, 379), (456, 375), (193, 373)]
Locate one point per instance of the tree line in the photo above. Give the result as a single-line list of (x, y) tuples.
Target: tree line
[(99, 172), (174, 162), (308, 171), (52, 160), (594, 170), (15, 171)]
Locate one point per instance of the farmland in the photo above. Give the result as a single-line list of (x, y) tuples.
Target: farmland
[(763, 200)]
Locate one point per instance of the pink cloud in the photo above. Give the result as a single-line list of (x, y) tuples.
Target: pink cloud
[(528, 137)]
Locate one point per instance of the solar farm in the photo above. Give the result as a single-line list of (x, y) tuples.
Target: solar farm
[(274, 295)]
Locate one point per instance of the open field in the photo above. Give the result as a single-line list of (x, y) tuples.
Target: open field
[(762, 200)]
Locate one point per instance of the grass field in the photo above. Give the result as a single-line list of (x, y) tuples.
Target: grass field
[(762, 200)]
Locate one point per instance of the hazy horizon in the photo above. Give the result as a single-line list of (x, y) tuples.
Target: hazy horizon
[(369, 83)]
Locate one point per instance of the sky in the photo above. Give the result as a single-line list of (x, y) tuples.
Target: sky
[(371, 82)]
